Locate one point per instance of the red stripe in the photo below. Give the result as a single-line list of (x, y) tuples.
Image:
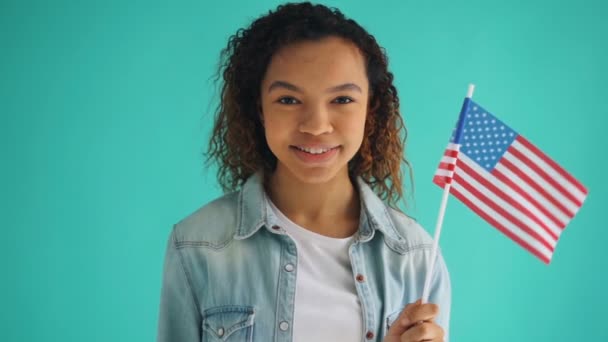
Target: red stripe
[(498, 192), (544, 175), (534, 185), (441, 180), (483, 198), (446, 166), (503, 178), (498, 226), (551, 163), (450, 153)]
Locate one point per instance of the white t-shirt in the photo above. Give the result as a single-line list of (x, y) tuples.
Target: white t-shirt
[(327, 307)]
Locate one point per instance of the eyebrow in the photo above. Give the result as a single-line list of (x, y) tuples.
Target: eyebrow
[(289, 86)]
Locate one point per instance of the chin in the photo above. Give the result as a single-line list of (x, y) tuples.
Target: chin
[(316, 176)]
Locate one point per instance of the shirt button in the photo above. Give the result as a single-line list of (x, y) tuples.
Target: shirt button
[(220, 332), (360, 278), (275, 227), (284, 326), (369, 335), (289, 267)]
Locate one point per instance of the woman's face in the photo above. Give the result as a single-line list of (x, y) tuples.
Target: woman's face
[(314, 99)]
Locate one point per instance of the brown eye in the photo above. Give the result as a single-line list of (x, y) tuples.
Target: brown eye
[(288, 100), (343, 100)]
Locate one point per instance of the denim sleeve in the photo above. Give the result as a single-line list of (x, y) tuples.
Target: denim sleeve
[(441, 294), (179, 317)]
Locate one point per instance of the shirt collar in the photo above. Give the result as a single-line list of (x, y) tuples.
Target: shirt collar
[(254, 211)]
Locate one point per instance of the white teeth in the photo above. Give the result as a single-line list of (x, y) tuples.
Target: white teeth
[(314, 150)]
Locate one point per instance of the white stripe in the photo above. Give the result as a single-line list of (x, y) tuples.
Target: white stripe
[(452, 146), (504, 222), (553, 210), (443, 173), (521, 216), (448, 160), (536, 178), (551, 172)]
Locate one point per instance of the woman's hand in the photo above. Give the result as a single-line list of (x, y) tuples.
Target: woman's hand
[(415, 324)]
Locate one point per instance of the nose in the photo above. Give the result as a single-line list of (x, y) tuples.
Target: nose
[(316, 121)]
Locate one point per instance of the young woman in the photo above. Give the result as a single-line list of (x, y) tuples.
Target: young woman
[(307, 245)]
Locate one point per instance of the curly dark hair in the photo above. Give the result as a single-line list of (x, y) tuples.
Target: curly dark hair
[(238, 143)]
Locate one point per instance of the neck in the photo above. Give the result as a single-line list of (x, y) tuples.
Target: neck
[(330, 208)]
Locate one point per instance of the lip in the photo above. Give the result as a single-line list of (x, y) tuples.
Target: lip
[(316, 146), (320, 158)]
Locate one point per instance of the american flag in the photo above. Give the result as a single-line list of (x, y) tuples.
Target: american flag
[(509, 182)]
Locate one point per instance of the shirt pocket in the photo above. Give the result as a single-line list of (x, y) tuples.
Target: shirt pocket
[(228, 323), (390, 319)]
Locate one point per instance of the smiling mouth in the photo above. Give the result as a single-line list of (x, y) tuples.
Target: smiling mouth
[(315, 150)]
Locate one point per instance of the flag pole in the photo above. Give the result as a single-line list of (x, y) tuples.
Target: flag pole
[(444, 198)]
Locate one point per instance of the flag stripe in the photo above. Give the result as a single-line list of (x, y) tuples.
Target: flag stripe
[(446, 166), (510, 200), (507, 177), (542, 172), (451, 151), (553, 165), (448, 160), (502, 211), (494, 219), (516, 168)]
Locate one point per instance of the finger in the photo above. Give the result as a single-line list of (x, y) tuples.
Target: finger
[(417, 313), (426, 331), (411, 314)]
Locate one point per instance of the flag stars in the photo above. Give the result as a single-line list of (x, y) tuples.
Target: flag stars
[(475, 108)]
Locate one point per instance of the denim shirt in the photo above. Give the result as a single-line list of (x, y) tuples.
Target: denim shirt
[(226, 275)]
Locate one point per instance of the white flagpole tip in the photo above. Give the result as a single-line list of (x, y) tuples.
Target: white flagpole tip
[(470, 91)]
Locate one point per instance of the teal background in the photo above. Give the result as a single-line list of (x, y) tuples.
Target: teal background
[(106, 109)]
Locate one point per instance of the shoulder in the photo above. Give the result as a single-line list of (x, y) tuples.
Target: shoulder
[(213, 224)]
